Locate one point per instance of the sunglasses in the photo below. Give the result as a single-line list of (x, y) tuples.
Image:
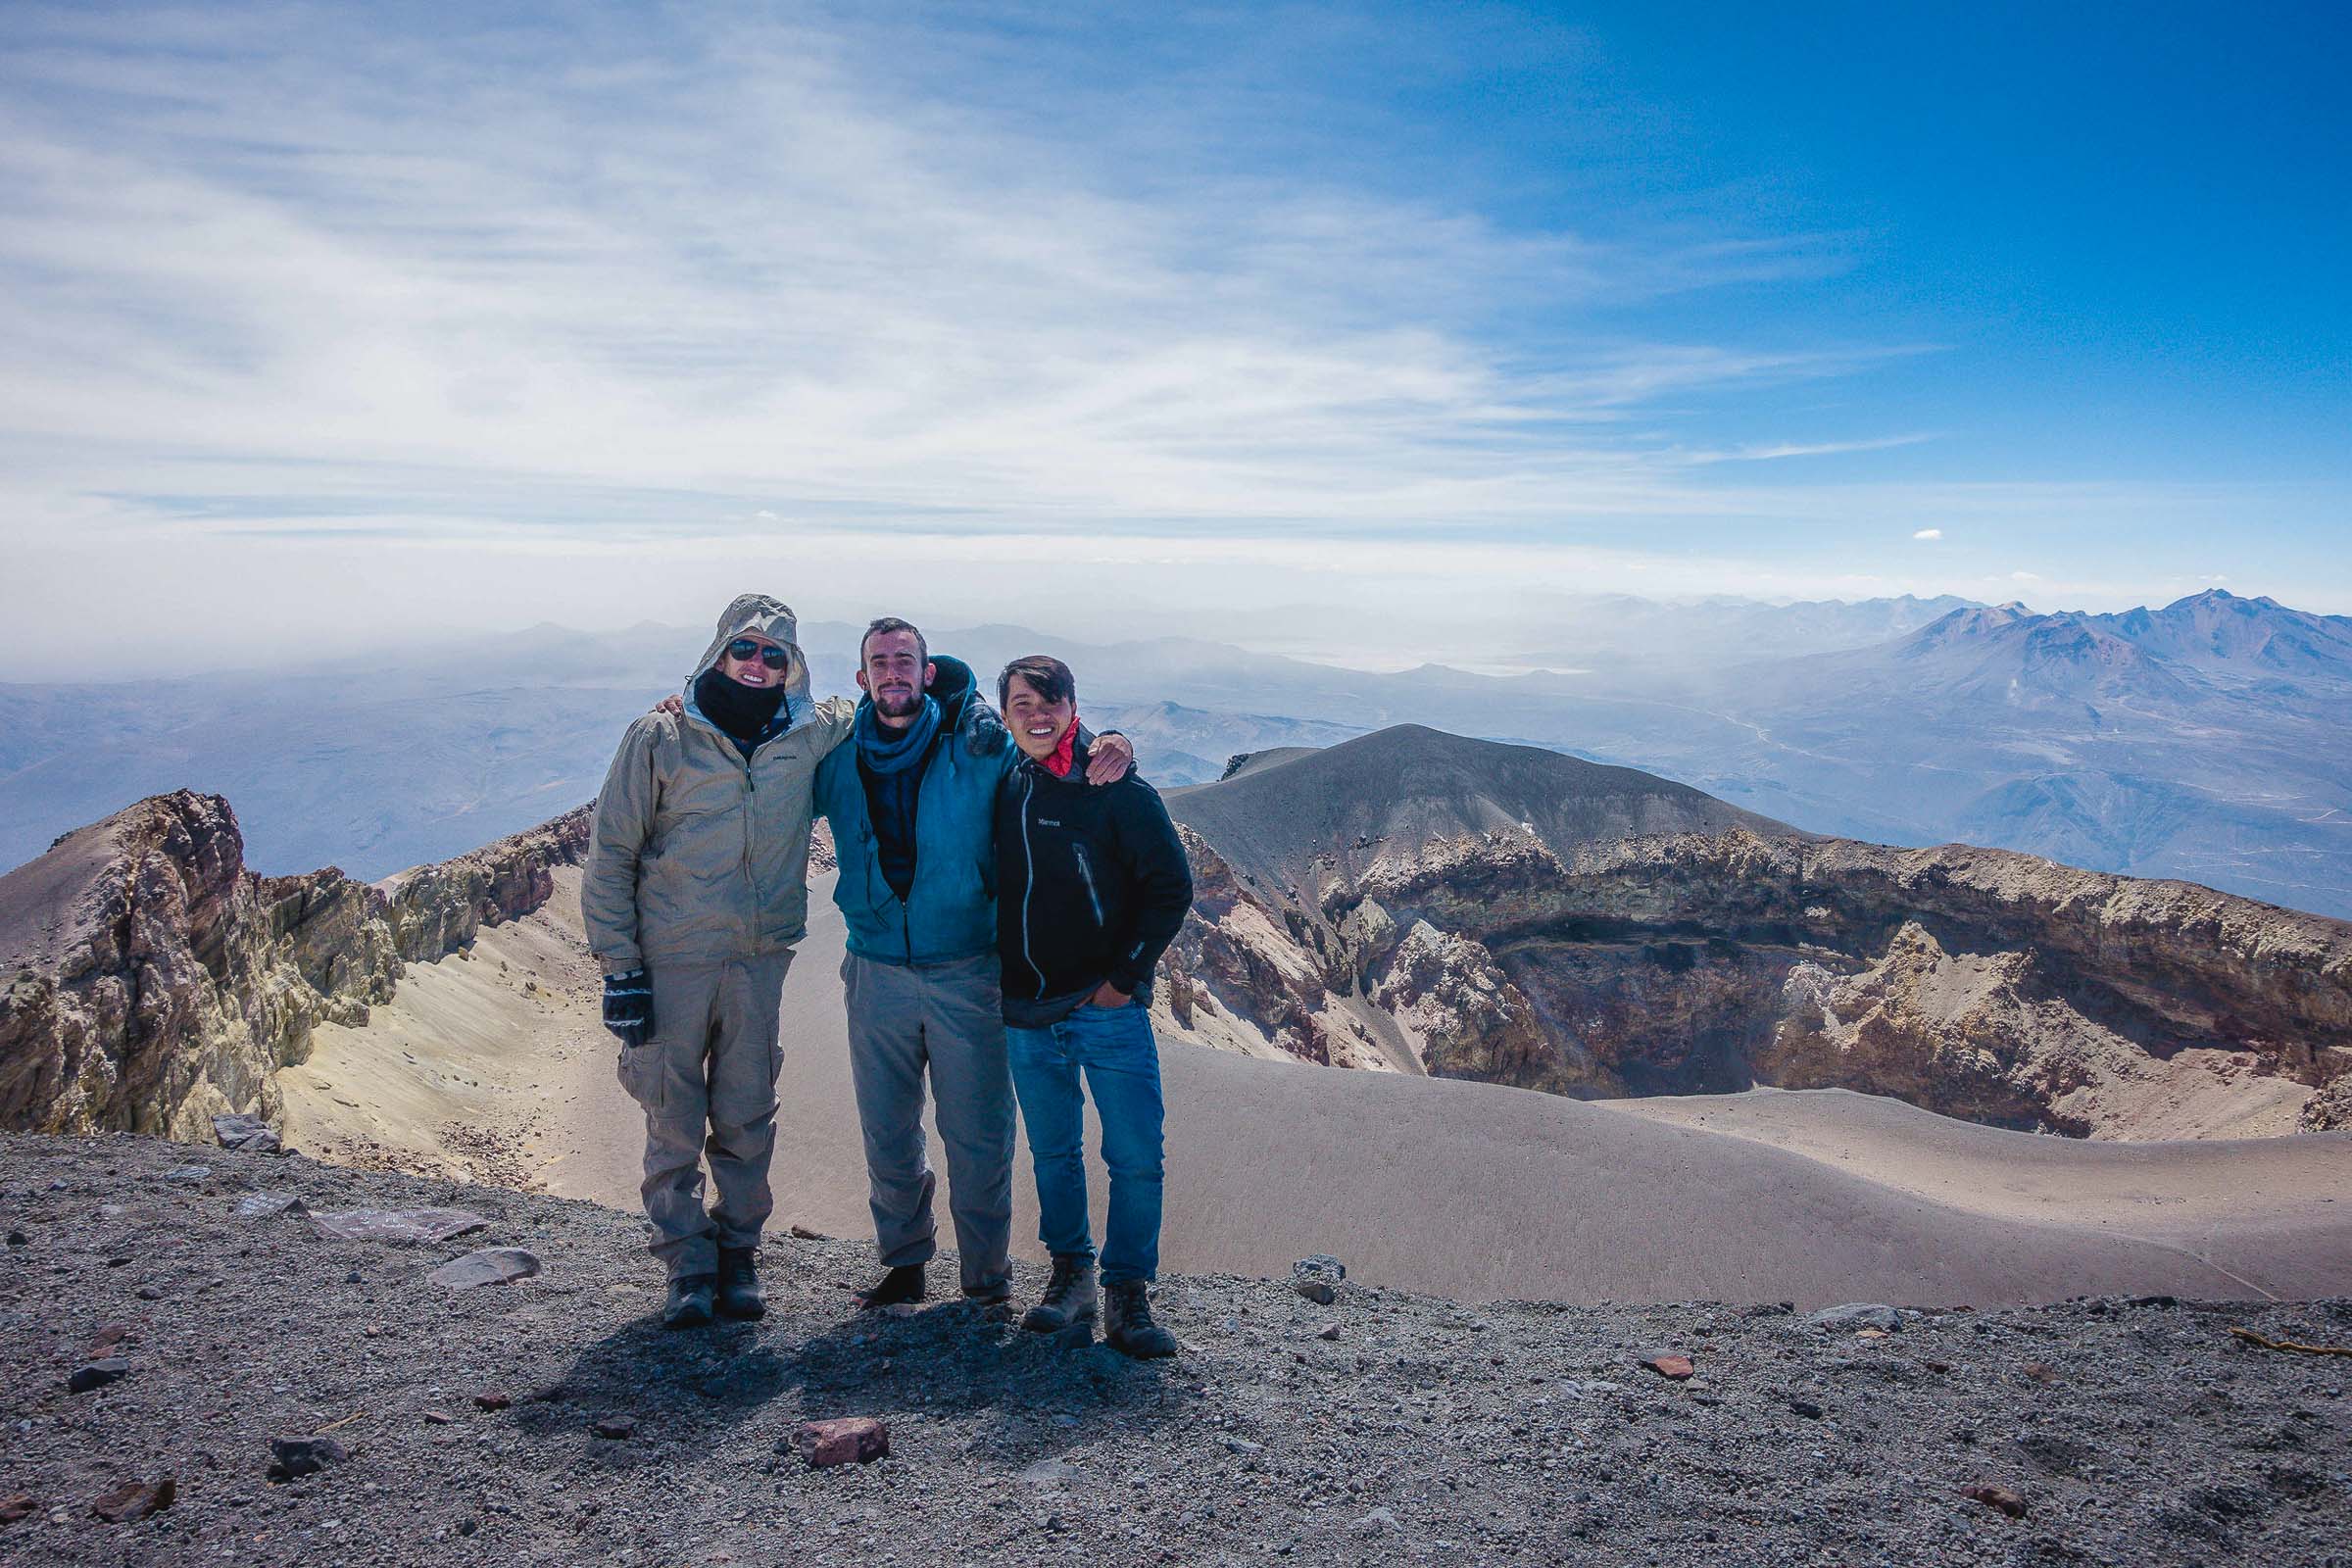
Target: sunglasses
[(743, 650)]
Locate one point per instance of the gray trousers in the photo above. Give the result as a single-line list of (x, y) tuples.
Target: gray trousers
[(947, 1018), (706, 1079)]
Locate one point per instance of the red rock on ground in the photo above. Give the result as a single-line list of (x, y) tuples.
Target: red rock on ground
[(2001, 1497), (492, 1400), (134, 1500), (19, 1506), (1675, 1367), (846, 1439)]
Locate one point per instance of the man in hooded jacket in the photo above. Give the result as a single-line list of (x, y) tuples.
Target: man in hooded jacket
[(695, 892)]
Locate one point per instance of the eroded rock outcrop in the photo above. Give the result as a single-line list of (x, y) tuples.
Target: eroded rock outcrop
[(154, 982), (1978, 983)]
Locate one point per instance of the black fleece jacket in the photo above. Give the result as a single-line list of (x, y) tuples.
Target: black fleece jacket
[(1091, 885)]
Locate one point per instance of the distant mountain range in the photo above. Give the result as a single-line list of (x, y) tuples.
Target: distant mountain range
[(2206, 740)]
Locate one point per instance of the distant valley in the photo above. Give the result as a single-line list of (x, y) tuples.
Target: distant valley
[(2207, 739)]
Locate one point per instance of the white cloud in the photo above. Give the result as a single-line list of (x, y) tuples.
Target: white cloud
[(1929, 533)]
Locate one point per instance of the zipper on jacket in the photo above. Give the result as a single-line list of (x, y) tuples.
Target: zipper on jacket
[(1029, 881), (1086, 874)]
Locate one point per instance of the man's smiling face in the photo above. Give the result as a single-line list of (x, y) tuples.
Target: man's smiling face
[(1037, 721), (893, 671)]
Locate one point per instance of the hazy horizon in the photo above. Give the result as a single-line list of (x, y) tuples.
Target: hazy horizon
[(327, 327)]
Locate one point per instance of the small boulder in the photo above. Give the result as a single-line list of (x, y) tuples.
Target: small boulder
[(134, 1500), (489, 1265), (1856, 1316), (268, 1205), (250, 1134), (491, 1399), (614, 1428), (97, 1374), (1318, 1278), (1999, 1498), (845, 1439), (291, 1459), (19, 1506)]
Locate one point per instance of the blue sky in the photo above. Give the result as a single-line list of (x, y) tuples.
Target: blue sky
[(1100, 314)]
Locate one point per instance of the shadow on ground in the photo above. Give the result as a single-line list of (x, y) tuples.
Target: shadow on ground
[(1010, 1395)]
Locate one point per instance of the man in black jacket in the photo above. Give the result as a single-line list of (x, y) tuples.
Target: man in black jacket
[(1092, 884)]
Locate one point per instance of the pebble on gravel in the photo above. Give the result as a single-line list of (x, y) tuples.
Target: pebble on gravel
[(19, 1239), (488, 1266), (134, 1500), (1379, 1522), (291, 1459), (2001, 1497), (111, 1334), (399, 1225), (845, 1439), (97, 1374), (1318, 1278), (190, 1174), (19, 1506), (1674, 1368), (491, 1399), (1329, 1331), (614, 1428)]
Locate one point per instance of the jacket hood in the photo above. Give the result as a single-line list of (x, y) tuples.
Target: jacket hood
[(759, 615)]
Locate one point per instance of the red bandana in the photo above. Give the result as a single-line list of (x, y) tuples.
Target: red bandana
[(1065, 754)]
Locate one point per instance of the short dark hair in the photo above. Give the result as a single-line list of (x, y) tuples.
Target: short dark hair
[(883, 623), (1050, 675)]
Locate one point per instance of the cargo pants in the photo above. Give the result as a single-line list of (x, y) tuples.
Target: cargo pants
[(947, 1018), (707, 1080)]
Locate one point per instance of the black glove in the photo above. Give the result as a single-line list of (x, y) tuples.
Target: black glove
[(629, 1006)]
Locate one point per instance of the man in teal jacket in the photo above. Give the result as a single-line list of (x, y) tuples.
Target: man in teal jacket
[(913, 805)]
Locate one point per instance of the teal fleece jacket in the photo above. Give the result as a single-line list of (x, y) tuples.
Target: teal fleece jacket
[(951, 912)]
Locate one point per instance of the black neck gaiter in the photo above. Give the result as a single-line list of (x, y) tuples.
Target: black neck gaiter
[(743, 712)]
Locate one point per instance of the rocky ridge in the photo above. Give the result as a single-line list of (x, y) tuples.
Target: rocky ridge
[(1977, 983), (155, 982)]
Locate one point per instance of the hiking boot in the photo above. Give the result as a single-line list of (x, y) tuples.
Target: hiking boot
[(902, 1284), (689, 1303), (739, 1283), (1127, 1325), (1069, 1295), (989, 1295)]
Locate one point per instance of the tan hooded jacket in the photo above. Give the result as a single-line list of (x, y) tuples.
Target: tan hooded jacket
[(696, 855)]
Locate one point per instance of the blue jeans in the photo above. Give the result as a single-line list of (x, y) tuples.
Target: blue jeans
[(1114, 1048)]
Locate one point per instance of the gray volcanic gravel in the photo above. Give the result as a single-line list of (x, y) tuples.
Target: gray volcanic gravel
[(551, 1420)]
